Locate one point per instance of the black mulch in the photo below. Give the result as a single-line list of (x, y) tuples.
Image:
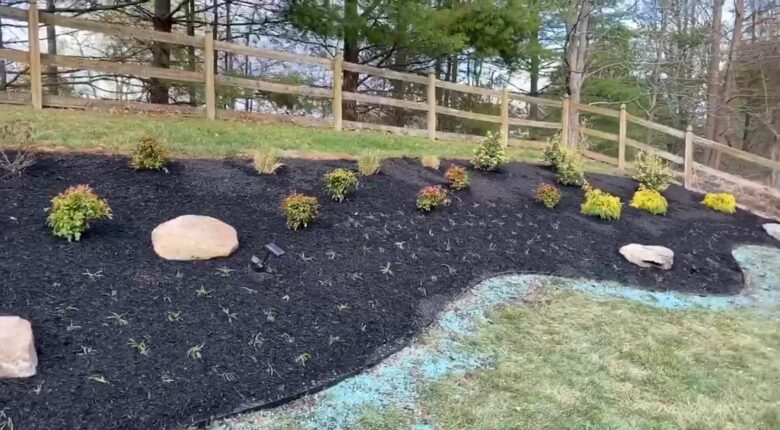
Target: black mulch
[(329, 297)]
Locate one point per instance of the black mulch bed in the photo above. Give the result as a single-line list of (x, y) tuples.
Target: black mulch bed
[(328, 298)]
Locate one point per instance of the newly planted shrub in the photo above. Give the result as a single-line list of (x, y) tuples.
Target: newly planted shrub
[(548, 195), (18, 134), (431, 197), (340, 182), (652, 171), (430, 161), (649, 200), (300, 210), (570, 170), (457, 177), (721, 202), (369, 164), (72, 210), (149, 154), (266, 160), (553, 155), (601, 204), (490, 154)]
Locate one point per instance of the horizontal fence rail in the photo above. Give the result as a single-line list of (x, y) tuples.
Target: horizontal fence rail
[(210, 78)]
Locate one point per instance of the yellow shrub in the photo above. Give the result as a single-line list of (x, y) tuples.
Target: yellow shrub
[(721, 202), (601, 204), (649, 200), (430, 161)]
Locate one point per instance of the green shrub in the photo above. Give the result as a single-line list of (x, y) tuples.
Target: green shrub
[(300, 210), (601, 204), (149, 154), (340, 182), (548, 195), (570, 170), (553, 155), (72, 210), (369, 164), (431, 197), (652, 171), (430, 161), (457, 177), (650, 201), (490, 154), (266, 160), (721, 202)]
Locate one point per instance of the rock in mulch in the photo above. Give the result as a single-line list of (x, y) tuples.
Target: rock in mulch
[(17, 348), (194, 237), (648, 255), (773, 230)]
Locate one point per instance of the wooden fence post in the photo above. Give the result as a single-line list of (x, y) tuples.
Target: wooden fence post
[(622, 138), (505, 117), (36, 87), (337, 79), (688, 182), (565, 121), (431, 106), (208, 69), (775, 173)]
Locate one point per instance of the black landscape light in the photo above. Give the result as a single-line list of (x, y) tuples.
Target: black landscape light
[(271, 248)]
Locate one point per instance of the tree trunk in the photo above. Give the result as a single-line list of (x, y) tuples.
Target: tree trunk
[(52, 78), (533, 71), (3, 74), (191, 61), (161, 52), (713, 71), (726, 128), (576, 50), (352, 55)]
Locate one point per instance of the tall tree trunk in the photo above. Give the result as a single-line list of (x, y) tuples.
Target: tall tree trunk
[(533, 71), (713, 71), (576, 50), (52, 77), (191, 61), (228, 36), (3, 74), (161, 52), (726, 128), (352, 55)]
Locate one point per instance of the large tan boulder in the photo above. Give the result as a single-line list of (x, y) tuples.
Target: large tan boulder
[(194, 237), (648, 255), (17, 348)]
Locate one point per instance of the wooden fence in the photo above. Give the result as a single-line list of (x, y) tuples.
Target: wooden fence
[(35, 59)]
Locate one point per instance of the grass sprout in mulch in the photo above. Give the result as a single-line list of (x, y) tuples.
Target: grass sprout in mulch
[(128, 340)]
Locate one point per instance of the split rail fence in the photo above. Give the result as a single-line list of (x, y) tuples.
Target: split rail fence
[(684, 164)]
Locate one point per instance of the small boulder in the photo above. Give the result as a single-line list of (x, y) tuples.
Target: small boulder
[(648, 256), (17, 348), (194, 237), (773, 230)]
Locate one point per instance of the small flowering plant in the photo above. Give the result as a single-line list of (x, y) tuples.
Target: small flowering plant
[(457, 177), (431, 197)]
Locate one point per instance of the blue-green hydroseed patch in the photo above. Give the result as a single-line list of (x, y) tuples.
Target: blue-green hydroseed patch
[(397, 382)]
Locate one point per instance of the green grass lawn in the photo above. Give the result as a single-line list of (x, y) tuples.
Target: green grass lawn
[(197, 137), (569, 361)]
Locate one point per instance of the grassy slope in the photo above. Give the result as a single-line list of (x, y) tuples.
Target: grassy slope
[(196, 137), (570, 361)]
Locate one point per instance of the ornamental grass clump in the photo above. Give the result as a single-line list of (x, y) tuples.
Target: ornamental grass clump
[(340, 182), (721, 202), (490, 154), (649, 200), (300, 210), (571, 170), (73, 210), (601, 204), (17, 134), (431, 197), (266, 160), (554, 155), (149, 154), (548, 195), (430, 161), (457, 177), (652, 171), (369, 164)]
